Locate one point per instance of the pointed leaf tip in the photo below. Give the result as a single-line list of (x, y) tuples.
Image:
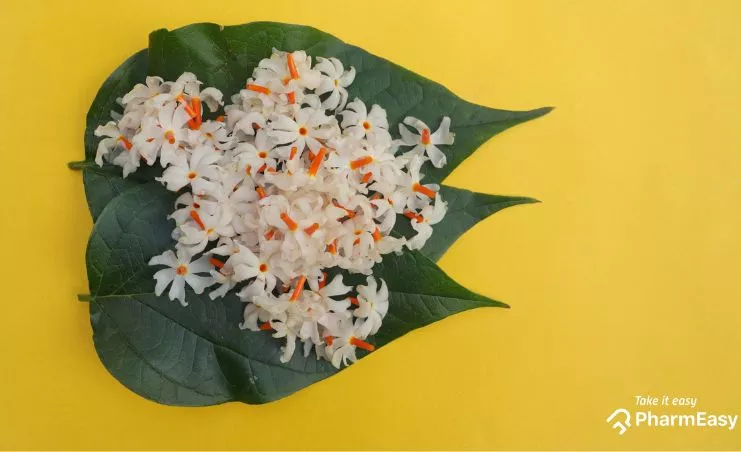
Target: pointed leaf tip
[(230, 364)]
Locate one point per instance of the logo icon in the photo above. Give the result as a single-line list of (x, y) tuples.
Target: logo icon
[(621, 426)]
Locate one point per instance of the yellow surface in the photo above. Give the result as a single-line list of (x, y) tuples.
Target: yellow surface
[(624, 281)]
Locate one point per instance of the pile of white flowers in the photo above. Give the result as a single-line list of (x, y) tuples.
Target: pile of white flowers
[(290, 181)]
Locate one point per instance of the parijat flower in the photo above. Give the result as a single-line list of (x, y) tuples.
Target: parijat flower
[(425, 143), (181, 271), (288, 183)]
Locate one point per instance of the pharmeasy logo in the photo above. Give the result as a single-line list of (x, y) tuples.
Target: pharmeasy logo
[(652, 412), (623, 425)]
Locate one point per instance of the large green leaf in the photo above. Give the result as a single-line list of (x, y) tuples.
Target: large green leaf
[(225, 56), (196, 355)]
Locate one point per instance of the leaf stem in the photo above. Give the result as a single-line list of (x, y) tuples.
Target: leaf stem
[(84, 297), (82, 164)]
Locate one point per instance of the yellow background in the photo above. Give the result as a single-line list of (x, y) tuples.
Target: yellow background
[(624, 281)]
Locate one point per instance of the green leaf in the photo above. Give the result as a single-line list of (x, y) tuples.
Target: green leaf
[(225, 56), (102, 186), (196, 355), (465, 209)]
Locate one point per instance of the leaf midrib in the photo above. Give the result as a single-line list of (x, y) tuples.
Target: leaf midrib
[(443, 296)]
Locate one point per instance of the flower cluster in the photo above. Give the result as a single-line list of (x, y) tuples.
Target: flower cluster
[(291, 180)]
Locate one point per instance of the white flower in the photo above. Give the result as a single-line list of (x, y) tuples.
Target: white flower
[(213, 134), (344, 337), (425, 142), (179, 272), (128, 160), (223, 275), (236, 252), (246, 264), (334, 81), (256, 158), (358, 123), (263, 270), (196, 234), (365, 166), (422, 223), (188, 84), (373, 304), (142, 93), (410, 192), (254, 316), (114, 137), (306, 130), (200, 172), (287, 71), (239, 120), (256, 95), (186, 203), (325, 292), (236, 199), (163, 135), (282, 330)]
